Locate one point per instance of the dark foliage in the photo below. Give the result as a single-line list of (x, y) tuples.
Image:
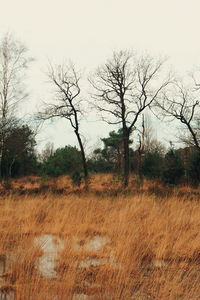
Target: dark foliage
[(152, 164), (19, 158), (63, 161), (193, 168), (173, 171)]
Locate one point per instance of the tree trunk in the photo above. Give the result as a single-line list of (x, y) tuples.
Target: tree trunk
[(126, 156), (10, 167), (139, 163), (1, 155), (1, 159), (84, 163)]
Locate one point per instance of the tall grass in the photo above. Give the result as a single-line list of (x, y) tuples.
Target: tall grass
[(152, 249)]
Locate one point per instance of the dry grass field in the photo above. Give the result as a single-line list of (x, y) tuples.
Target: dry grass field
[(60, 242)]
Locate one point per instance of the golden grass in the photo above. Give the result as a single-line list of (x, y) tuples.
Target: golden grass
[(152, 249)]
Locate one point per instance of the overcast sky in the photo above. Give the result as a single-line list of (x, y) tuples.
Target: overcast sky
[(88, 31)]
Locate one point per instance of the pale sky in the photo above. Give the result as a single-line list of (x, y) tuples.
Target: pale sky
[(88, 31)]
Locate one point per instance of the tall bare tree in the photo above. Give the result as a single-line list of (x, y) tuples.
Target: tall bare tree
[(13, 63), (124, 87), (182, 103), (67, 102)]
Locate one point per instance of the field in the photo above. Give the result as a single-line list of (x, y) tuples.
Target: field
[(62, 242)]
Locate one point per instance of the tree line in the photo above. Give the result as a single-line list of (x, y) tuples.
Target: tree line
[(123, 89)]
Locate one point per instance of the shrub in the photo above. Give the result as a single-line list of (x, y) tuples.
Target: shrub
[(76, 178), (173, 172)]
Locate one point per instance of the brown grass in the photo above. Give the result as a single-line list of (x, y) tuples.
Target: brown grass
[(152, 249)]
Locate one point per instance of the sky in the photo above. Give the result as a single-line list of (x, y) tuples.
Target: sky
[(87, 32)]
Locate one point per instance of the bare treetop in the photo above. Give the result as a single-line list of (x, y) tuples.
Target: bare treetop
[(66, 83), (13, 63), (126, 85), (182, 103)]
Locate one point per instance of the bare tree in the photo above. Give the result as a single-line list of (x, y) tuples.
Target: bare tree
[(182, 103), (147, 143), (13, 63), (67, 104), (47, 152), (150, 141), (125, 86)]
